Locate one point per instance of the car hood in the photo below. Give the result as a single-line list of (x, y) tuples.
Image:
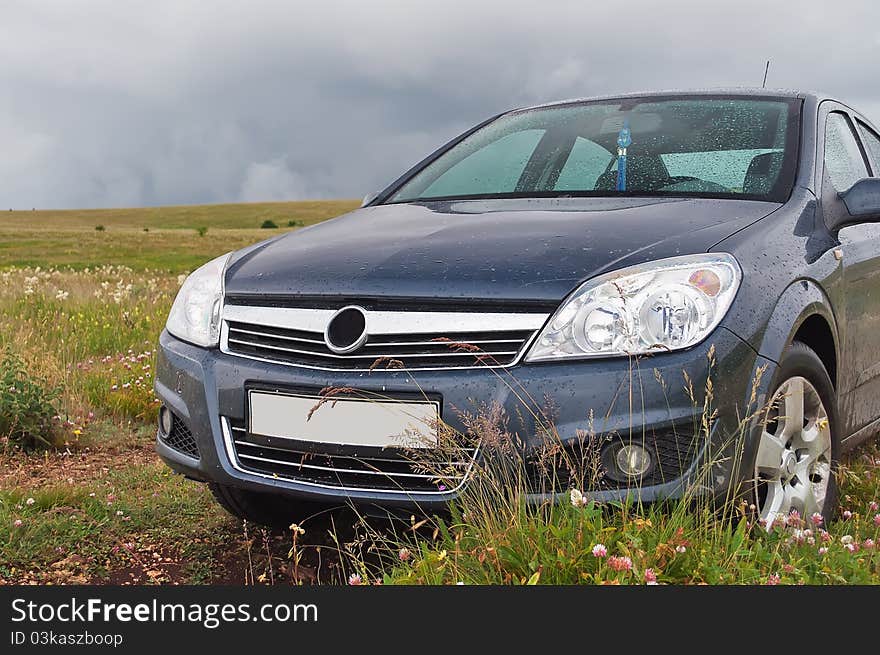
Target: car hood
[(532, 250)]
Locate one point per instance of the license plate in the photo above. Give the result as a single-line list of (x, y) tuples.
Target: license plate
[(344, 421)]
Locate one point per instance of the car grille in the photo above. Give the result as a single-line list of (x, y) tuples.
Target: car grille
[(180, 439), (410, 351), (347, 467)]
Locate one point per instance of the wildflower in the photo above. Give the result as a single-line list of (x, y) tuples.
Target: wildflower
[(826, 536), (823, 550), (17, 523), (404, 554), (62, 295), (847, 515), (799, 536), (29, 501), (851, 547), (680, 549), (119, 512), (816, 519), (846, 539), (620, 563), (354, 579), (868, 544), (650, 576), (793, 519), (873, 506), (877, 519), (599, 550), (296, 529), (773, 579), (577, 498)]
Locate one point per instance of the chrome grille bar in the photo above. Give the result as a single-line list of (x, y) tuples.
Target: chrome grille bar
[(352, 468), (414, 340)]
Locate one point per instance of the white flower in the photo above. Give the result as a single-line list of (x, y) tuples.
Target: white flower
[(577, 498), (599, 550), (29, 501), (846, 539)]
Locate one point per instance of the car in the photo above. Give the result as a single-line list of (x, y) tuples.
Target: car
[(612, 257)]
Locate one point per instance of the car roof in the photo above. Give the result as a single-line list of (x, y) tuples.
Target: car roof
[(726, 91)]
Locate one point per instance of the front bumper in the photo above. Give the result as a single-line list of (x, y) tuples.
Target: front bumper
[(622, 396)]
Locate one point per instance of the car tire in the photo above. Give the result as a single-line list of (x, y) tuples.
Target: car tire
[(798, 447), (270, 510)]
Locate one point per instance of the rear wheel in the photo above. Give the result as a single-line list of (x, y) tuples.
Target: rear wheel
[(266, 509), (798, 447)]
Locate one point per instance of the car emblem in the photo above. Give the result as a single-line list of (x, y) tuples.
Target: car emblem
[(346, 330)]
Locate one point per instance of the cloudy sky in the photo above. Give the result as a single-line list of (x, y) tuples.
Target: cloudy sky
[(109, 103)]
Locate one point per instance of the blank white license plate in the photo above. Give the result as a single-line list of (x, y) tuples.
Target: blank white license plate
[(344, 421)]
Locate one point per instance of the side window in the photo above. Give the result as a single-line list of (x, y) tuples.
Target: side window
[(586, 162), (872, 142), (493, 169), (843, 159)]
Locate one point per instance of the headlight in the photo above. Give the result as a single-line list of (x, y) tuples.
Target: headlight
[(664, 305), (195, 314)]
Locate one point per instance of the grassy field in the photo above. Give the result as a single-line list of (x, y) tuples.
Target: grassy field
[(159, 238), (81, 308)]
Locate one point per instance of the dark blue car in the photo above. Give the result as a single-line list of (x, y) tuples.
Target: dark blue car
[(663, 275)]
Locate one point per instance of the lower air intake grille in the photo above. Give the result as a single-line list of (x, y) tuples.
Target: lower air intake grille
[(346, 467), (579, 464), (181, 439)]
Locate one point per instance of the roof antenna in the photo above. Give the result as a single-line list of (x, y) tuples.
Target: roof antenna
[(766, 69)]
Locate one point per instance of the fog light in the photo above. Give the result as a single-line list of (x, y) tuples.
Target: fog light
[(165, 420), (633, 461)]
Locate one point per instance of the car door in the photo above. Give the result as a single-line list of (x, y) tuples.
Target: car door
[(845, 162)]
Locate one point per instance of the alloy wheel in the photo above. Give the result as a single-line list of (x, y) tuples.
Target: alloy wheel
[(793, 463)]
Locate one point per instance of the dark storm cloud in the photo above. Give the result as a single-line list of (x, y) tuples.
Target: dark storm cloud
[(106, 103)]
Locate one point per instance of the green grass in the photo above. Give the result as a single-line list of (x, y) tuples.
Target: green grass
[(494, 536), (86, 527), (84, 309), (69, 238)]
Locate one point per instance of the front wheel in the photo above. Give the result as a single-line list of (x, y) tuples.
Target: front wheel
[(798, 447)]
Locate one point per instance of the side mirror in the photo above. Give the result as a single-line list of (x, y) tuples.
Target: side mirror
[(370, 197), (862, 200)]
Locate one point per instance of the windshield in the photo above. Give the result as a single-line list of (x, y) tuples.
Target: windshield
[(717, 147)]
